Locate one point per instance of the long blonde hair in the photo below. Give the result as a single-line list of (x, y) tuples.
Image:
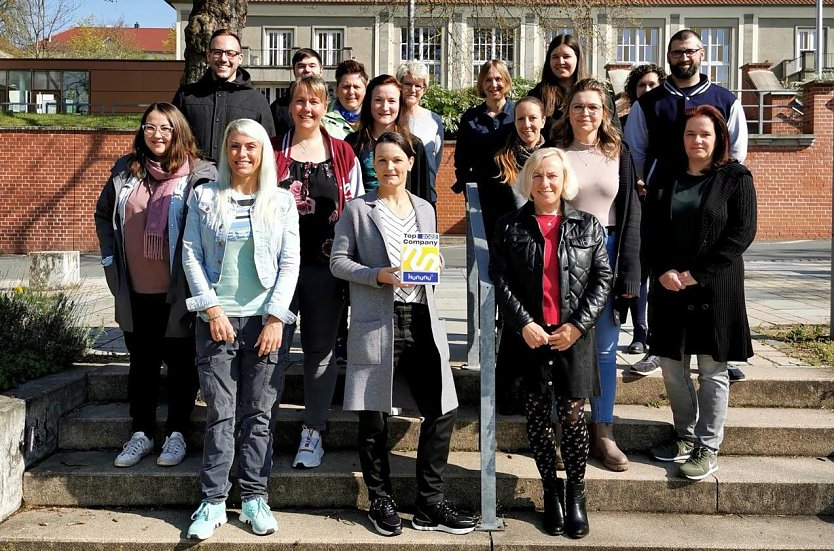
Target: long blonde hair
[(609, 136)]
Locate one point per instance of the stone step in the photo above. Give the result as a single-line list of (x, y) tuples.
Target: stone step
[(765, 387), (349, 529), (742, 485), (749, 431)]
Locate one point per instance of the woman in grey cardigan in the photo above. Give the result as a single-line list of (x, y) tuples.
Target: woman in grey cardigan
[(366, 253)]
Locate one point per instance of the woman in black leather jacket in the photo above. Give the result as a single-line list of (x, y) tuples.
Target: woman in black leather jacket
[(552, 278)]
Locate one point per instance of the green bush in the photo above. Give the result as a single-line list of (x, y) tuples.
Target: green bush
[(451, 104), (40, 334)]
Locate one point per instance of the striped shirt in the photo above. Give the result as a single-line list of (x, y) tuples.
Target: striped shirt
[(395, 229)]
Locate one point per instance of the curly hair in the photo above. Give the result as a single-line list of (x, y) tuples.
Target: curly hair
[(637, 72)]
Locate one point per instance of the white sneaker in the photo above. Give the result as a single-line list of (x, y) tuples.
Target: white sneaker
[(134, 450), (310, 450), (173, 450)]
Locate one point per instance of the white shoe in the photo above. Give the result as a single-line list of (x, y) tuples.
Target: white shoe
[(173, 450), (310, 450), (134, 450)]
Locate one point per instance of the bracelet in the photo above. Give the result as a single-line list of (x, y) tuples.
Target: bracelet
[(211, 319)]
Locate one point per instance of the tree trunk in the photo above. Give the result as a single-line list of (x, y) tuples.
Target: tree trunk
[(206, 17)]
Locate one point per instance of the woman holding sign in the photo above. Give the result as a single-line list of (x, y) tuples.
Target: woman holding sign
[(395, 340)]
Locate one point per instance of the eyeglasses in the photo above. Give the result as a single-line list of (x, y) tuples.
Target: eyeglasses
[(678, 54), (215, 53), (580, 108), (150, 130), (413, 86)]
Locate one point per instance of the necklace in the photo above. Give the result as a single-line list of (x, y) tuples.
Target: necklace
[(588, 153), (548, 221)]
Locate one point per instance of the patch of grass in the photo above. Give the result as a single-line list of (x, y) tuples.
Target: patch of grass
[(810, 343), (97, 122)]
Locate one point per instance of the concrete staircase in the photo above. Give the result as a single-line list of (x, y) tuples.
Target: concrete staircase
[(774, 489)]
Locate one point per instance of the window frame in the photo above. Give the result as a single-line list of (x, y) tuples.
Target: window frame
[(494, 46), (338, 54), (283, 56), (636, 46), (435, 66)]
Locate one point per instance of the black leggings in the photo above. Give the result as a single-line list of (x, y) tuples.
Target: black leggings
[(575, 440)]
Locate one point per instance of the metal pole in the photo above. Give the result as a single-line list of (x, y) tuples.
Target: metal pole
[(819, 45), (472, 321), (410, 54)]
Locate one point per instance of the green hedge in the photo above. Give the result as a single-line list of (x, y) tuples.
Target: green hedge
[(41, 333), (451, 104)]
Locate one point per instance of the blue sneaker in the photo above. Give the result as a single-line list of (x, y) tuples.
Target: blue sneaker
[(257, 513), (207, 517)]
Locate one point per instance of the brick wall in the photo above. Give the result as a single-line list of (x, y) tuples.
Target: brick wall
[(50, 181)]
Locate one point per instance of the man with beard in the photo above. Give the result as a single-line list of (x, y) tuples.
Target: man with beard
[(654, 129), (655, 125), (223, 94)]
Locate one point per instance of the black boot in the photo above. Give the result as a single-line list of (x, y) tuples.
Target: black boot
[(576, 514), (554, 507)]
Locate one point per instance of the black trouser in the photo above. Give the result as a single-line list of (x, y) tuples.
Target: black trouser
[(416, 358), (149, 347)]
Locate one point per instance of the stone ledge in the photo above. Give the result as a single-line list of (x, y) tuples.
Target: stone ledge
[(12, 421), (798, 141)]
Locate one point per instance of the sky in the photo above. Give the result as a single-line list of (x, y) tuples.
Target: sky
[(148, 13)]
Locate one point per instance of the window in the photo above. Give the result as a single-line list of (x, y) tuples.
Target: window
[(278, 47), (428, 48), (717, 48), (330, 44), (637, 46), (552, 33), (806, 40), (267, 92), (4, 90), (493, 44), (20, 90), (76, 92)]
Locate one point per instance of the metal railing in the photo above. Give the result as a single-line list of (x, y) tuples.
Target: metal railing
[(282, 58), (480, 340), (790, 111)]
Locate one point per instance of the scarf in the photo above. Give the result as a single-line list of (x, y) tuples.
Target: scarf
[(522, 153), (350, 116), (161, 185)]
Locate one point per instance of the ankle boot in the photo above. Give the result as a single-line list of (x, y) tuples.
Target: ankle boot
[(557, 437), (604, 448), (554, 507), (576, 513)]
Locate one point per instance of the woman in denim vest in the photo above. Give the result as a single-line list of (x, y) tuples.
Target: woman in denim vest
[(241, 259)]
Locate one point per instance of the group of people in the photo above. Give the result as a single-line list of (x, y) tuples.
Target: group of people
[(231, 221)]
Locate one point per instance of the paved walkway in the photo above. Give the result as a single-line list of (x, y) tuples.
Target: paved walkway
[(780, 289)]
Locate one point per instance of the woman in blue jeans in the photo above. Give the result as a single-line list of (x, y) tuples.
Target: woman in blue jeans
[(608, 190), (241, 260)]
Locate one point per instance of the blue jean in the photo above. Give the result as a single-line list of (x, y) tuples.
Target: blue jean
[(233, 377), (607, 333)]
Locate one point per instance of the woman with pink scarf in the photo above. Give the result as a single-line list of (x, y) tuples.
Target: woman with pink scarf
[(140, 218)]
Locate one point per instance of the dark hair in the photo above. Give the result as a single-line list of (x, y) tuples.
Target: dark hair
[(505, 157), (366, 119), (351, 67), (225, 32), (553, 95), (637, 72), (609, 136), (303, 53), (721, 153), (397, 139), (182, 146), (682, 35)]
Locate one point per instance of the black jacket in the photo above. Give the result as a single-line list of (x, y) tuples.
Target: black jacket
[(210, 105), (710, 317), (281, 118)]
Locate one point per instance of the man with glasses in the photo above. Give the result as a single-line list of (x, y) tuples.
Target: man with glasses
[(305, 63), (654, 129), (222, 95)]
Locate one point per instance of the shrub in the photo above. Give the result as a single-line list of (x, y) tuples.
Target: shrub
[(451, 104), (40, 334)]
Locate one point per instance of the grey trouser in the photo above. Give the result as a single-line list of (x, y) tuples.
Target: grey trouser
[(233, 377), (320, 298), (698, 416)]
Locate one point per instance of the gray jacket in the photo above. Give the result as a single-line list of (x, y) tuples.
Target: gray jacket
[(109, 218), (358, 255)]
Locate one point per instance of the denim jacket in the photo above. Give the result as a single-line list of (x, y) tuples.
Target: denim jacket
[(277, 256)]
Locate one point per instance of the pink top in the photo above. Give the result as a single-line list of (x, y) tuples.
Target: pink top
[(146, 276), (549, 226), (599, 181)]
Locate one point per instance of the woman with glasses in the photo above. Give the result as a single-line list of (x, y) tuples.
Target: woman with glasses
[(241, 257), (342, 115), (139, 222), (425, 124), (608, 190)]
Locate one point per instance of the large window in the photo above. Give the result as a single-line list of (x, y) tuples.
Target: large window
[(553, 32), (428, 48), (717, 58), (45, 91), (20, 91), (635, 45), (330, 45), (493, 44), (278, 47), (76, 92)]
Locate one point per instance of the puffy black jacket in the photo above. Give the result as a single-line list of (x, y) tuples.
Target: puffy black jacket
[(209, 105), (517, 264)]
